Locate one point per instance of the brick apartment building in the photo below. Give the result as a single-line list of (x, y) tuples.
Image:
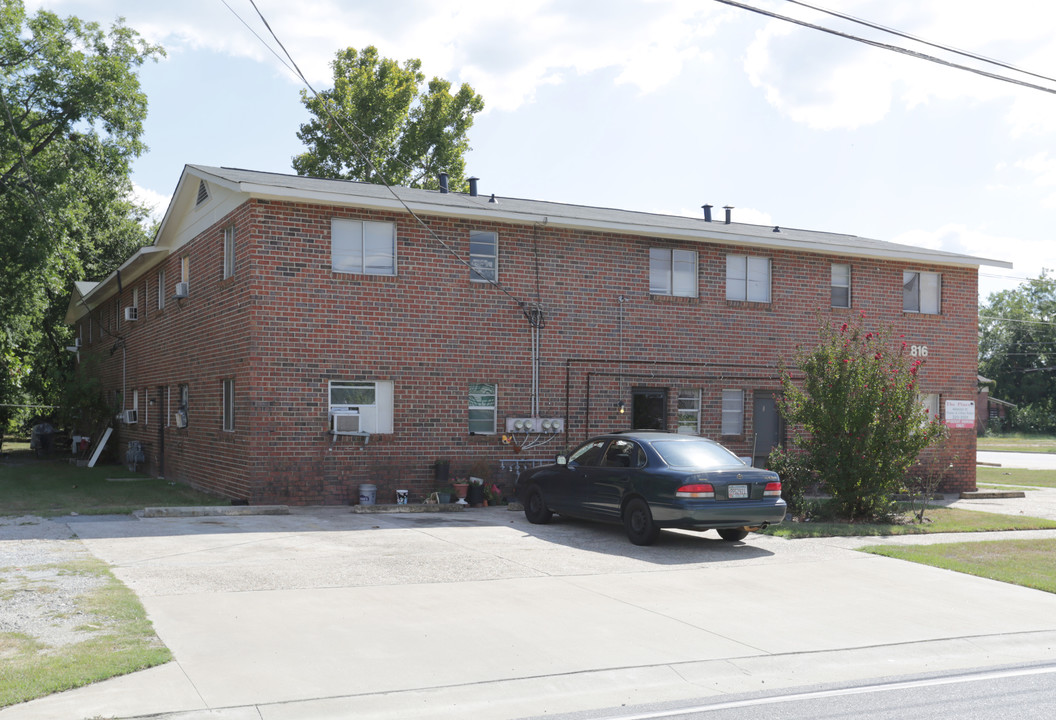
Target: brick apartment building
[(287, 338)]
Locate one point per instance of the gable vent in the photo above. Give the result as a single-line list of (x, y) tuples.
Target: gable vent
[(203, 193)]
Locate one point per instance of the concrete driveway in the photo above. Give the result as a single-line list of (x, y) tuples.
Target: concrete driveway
[(328, 614)]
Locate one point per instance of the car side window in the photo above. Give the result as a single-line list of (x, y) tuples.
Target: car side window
[(623, 453), (589, 454)]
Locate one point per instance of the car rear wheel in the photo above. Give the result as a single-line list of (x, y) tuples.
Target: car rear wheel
[(535, 509), (638, 521), (733, 534)]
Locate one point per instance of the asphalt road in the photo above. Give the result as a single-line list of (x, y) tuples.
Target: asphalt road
[(1014, 693)]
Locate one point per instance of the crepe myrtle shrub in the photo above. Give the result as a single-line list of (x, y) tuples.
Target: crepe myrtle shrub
[(857, 417)]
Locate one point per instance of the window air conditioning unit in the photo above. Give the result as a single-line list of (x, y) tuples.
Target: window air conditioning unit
[(182, 290), (131, 417), (131, 313), (345, 422), (181, 418)]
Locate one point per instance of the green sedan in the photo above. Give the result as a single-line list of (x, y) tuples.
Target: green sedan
[(652, 480)]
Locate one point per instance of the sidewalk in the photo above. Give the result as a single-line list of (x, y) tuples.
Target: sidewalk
[(327, 614)]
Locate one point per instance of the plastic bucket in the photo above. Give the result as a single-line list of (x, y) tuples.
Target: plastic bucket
[(402, 497), (367, 494)]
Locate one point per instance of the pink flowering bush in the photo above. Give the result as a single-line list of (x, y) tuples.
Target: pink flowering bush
[(856, 417)]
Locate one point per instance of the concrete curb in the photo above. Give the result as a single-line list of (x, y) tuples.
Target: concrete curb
[(212, 511), (991, 494), (408, 508)]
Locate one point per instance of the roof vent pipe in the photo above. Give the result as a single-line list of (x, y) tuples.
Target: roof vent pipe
[(473, 186), (443, 182), (729, 210), (493, 200), (707, 213)]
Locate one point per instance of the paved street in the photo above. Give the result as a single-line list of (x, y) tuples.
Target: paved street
[(328, 614)]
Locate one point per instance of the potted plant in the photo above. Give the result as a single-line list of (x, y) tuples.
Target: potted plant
[(461, 488), (445, 494), (475, 492)]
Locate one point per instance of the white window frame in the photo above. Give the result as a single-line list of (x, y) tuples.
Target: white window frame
[(379, 404), (168, 405), (841, 281), (228, 395), (135, 403), (354, 242), (673, 272), (748, 278), (733, 412), (229, 251), (484, 265), (146, 406), (922, 292), (161, 289), (689, 411), (486, 421)]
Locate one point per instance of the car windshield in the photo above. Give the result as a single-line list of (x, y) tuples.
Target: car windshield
[(695, 454)]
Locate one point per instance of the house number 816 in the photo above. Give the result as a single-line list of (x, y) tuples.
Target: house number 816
[(918, 350)]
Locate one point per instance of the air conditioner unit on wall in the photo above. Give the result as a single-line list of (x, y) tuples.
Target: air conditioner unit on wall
[(344, 422), (131, 313), (182, 290), (131, 417)]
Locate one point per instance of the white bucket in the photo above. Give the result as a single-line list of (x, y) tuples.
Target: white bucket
[(367, 493), (401, 497)]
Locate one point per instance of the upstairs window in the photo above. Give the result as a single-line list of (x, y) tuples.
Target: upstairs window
[(748, 278), (672, 272), (841, 286), (363, 246), (484, 256), (229, 251), (922, 292)]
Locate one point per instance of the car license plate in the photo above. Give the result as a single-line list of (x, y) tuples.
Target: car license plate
[(737, 492)]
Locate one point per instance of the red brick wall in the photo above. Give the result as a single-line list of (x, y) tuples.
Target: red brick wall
[(285, 325)]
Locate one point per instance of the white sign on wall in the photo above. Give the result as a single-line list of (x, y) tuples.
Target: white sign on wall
[(960, 414)]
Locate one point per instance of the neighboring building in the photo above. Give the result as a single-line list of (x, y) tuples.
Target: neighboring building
[(990, 412), (273, 310)]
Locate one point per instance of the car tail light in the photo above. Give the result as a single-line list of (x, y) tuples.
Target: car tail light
[(702, 490), (772, 490)]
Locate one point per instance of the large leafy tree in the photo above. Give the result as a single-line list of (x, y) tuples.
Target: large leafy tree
[(71, 117), (859, 424), (1017, 349), (376, 125)]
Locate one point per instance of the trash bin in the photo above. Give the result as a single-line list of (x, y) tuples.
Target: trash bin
[(41, 439)]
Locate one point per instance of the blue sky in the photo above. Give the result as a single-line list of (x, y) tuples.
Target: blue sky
[(659, 106)]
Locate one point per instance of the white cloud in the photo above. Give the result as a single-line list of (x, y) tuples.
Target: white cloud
[(506, 50), (1043, 169), (156, 202), (828, 82)]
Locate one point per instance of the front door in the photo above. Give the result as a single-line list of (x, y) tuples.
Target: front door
[(768, 426), (649, 409)]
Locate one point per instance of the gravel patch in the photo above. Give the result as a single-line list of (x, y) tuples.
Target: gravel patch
[(38, 595)]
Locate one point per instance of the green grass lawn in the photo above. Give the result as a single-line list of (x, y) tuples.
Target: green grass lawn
[(1015, 476), (1018, 443), (117, 639), (54, 487), (1021, 562), (943, 520)]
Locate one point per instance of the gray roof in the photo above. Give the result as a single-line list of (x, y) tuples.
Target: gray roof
[(506, 209)]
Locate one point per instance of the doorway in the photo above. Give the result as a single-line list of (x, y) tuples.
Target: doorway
[(768, 425), (649, 409)]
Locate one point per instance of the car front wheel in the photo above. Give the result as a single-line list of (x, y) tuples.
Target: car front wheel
[(638, 521), (535, 509), (733, 534)]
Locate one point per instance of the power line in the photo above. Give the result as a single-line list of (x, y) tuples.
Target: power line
[(963, 53), (885, 46)]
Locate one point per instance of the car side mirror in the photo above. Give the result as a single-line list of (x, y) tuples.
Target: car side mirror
[(561, 460)]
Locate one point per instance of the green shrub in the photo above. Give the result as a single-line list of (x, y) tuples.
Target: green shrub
[(857, 418), (796, 477)]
